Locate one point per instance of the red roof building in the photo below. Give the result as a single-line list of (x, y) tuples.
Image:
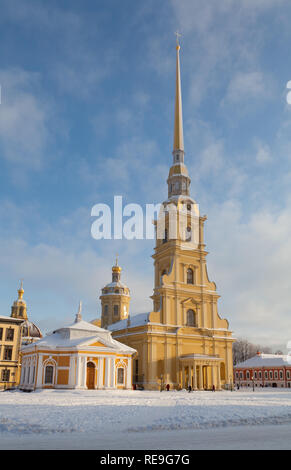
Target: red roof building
[(264, 370)]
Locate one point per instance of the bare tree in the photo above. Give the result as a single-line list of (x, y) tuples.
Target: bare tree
[(242, 350)]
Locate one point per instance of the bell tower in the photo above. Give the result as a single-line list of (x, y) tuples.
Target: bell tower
[(115, 299), (183, 294), (19, 309)]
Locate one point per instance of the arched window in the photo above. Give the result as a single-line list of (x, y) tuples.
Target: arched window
[(105, 309), (191, 318), (188, 234), (49, 373), (190, 276), (166, 236)]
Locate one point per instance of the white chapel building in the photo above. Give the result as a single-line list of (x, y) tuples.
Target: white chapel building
[(78, 356)]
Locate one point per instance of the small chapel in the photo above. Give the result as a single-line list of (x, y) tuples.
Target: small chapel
[(183, 341), (77, 356)]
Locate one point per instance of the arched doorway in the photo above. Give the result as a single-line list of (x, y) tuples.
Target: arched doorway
[(90, 375), (222, 371)]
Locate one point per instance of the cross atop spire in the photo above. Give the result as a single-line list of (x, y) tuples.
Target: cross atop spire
[(178, 35)]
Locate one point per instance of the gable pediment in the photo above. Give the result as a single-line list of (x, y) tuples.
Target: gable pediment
[(190, 302)]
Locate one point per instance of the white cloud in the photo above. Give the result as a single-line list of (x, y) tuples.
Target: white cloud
[(246, 86), (24, 119), (250, 262), (263, 153)]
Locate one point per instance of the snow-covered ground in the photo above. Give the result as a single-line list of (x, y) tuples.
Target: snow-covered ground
[(57, 419)]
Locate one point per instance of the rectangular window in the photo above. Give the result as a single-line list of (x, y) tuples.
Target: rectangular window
[(116, 310), (5, 375), (288, 374), (9, 334), (120, 376), (1, 333), (255, 374), (260, 374), (7, 353), (266, 374), (271, 375), (281, 375)]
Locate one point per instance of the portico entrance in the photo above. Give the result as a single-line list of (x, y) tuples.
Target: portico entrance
[(200, 371)]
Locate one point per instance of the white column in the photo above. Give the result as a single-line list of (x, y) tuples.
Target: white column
[(84, 375), (71, 372), (218, 377), (113, 372), (183, 376), (129, 374), (39, 371), (78, 372), (200, 378), (99, 373), (194, 377), (107, 371)]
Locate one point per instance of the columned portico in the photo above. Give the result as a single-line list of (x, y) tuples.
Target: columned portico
[(200, 371)]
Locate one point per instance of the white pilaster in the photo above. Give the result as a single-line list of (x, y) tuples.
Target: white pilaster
[(107, 372), (84, 374), (99, 373), (129, 374), (39, 371), (112, 381), (78, 372)]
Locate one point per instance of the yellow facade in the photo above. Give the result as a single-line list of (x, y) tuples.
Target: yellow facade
[(10, 338), (183, 341), (14, 330), (79, 356)]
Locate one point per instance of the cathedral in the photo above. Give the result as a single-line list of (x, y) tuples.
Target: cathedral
[(183, 342)]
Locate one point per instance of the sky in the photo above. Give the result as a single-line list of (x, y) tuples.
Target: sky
[(86, 113)]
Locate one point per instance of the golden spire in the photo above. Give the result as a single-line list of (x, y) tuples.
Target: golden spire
[(116, 268), (178, 125), (20, 290)]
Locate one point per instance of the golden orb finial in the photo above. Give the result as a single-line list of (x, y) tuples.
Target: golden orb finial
[(116, 268), (20, 290)]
